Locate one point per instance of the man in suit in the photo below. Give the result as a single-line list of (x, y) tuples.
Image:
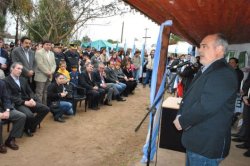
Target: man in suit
[(26, 56), (206, 111), (24, 99), (99, 77), (7, 112), (112, 78), (94, 93), (44, 71)]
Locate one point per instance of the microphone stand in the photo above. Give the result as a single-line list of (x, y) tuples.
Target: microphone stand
[(153, 111)]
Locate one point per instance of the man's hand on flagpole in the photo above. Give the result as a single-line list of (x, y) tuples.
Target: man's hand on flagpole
[(177, 123)]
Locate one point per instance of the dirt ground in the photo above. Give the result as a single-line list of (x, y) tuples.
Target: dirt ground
[(93, 138), (98, 138)]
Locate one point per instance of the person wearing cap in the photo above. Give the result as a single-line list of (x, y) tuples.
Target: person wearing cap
[(45, 69), (72, 56), (59, 55), (26, 56), (89, 52)]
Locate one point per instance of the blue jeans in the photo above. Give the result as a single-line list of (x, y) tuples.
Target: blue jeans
[(194, 159), (136, 74), (120, 87), (148, 77), (66, 107)]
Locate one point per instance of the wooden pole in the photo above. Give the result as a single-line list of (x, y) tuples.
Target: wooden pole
[(163, 56)]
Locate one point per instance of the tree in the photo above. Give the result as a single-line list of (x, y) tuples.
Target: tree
[(3, 11), (20, 8), (86, 39), (57, 20), (112, 41)]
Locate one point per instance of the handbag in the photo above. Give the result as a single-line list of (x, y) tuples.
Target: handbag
[(55, 104)]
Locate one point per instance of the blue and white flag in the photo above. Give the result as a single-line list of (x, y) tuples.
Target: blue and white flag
[(107, 52), (142, 58), (155, 99), (133, 50)]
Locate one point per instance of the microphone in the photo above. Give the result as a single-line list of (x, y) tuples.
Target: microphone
[(179, 65)]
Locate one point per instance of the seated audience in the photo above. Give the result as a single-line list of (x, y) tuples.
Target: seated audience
[(131, 84), (7, 112), (111, 77), (24, 99), (57, 95), (95, 94), (108, 87)]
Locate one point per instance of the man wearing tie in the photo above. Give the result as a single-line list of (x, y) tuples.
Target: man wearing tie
[(26, 56), (44, 71), (99, 77)]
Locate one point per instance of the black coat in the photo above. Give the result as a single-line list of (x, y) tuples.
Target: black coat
[(5, 102), (207, 109), (85, 82), (54, 92), (19, 95), (111, 76)]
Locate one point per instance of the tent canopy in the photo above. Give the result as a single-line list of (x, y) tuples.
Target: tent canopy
[(98, 44)]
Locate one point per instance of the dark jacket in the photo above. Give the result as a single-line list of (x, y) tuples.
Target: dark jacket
[(97, 78), (85, 82), (128, 73), (240, 76), (111, 76), (246, 86), (4, 54), (72, 59), (19, 95), (207, 109), (54, 92), (5, 102)]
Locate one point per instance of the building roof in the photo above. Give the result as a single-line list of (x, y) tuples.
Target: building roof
[(194, 19)]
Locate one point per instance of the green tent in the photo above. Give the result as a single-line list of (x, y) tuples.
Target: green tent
[(98, 44)]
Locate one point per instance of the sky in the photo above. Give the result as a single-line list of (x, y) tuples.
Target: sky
[(134, 28), (110, 28)]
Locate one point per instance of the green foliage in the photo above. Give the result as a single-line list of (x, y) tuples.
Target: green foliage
[(54, 19), (2, 23), (86, 39), (112, 41)]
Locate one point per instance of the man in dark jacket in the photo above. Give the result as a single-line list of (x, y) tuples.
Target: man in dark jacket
[(95, 94), (7, 112), (207, 108), (24, 99)]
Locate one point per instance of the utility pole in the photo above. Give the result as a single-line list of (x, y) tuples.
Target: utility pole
[(122, 32), (146, 37)]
